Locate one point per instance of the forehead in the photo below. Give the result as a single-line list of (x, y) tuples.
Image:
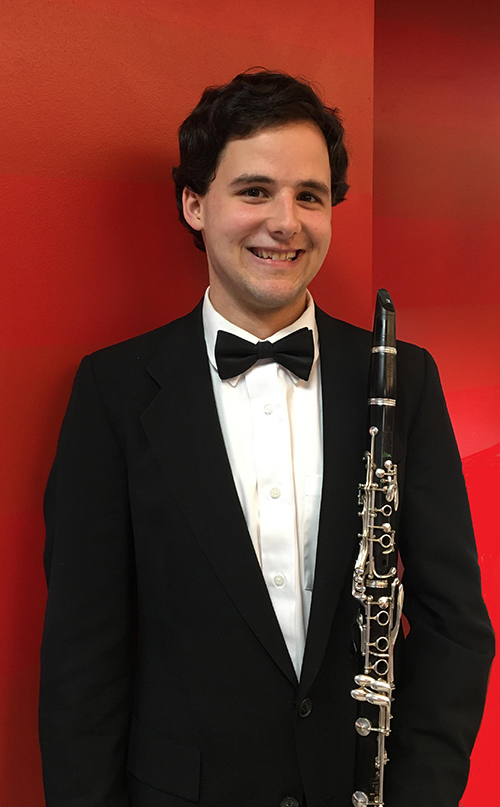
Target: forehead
[(292, 151)]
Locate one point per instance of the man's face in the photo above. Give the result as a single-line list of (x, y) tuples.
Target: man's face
[(266, 221)]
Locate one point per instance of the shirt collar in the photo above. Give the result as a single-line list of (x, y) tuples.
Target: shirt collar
[(213, 322)]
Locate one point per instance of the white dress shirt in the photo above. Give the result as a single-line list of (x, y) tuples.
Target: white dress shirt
[(271, 422)]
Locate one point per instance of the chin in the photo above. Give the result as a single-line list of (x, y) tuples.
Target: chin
[(272, 299)]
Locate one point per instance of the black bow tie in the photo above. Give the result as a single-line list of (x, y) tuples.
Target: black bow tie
[(235, 355)]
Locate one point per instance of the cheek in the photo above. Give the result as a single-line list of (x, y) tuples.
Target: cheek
[(240, 224), (327, 238), (326, 230), (321, 233)]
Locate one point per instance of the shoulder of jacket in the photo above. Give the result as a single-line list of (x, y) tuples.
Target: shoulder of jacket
[(363, 336), (139, 350)]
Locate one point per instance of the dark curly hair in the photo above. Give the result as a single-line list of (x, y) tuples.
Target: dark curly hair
[(252, 101)]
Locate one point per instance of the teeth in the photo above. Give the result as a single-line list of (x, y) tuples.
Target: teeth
[(275, 256)]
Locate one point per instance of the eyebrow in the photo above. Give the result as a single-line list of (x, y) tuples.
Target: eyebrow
[(306, 184)]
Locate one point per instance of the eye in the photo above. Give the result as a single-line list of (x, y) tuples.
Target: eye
[(253, 193), (309, 197)]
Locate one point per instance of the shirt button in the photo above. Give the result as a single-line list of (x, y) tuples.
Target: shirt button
[(268, 409), (289, 802), (275, 493), (279, 580), (305, 707)]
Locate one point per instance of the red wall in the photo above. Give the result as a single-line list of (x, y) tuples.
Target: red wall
[(436, 247), (91, 94)]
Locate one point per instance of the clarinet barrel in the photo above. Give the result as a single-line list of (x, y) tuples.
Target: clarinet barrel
[(375, 582)]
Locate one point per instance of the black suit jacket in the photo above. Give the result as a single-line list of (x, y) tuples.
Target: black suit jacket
[(165, 677)]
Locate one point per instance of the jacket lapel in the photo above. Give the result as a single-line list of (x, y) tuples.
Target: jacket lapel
[(183, 429), (345, 355)]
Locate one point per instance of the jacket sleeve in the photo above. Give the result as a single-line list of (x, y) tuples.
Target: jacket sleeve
[(86, 648), (443, 674)]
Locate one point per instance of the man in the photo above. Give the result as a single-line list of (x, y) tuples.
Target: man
[(202, 515)]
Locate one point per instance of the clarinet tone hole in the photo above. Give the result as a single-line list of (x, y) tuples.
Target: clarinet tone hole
[(382, 618), (381, 667), (382, 644), (385, 541)]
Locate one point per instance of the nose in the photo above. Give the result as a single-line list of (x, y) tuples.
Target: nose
[(284, 221)]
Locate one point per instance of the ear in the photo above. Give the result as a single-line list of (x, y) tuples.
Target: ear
[(192, 208)]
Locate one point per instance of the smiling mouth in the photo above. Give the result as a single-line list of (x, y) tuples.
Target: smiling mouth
[(267, 254)]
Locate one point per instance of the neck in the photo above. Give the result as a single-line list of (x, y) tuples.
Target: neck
[(261, 324)]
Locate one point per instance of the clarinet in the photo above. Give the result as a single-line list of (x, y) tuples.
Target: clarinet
[(375, 582)]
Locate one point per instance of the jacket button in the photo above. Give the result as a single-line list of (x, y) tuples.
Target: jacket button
[(305, 707), (289, 802)]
